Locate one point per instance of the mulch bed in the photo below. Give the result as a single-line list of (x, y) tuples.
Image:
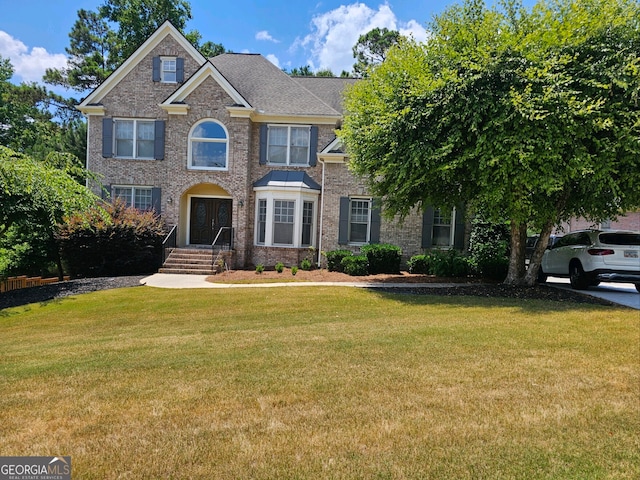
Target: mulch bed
[(54, 291)]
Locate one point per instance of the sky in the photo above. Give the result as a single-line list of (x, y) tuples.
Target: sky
[(318, 33)]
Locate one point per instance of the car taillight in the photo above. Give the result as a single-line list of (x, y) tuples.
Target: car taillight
[(600, 251)]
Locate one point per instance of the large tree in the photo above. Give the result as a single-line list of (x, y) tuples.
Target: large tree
[(102, 40), (531, 115), (34, 197), (371, 49)]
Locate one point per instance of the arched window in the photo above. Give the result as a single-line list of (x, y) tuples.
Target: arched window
[(208, 146)]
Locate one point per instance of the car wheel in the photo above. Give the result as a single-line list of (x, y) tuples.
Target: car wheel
[(577, 277), (638, 287)]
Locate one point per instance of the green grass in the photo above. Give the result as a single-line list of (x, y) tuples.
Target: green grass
[(321, 383)]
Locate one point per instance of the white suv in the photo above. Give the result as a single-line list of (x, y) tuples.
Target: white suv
[(588, 257)]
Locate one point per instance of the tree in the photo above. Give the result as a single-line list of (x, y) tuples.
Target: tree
[(34, 198), (371, 49), (532, 116), (100, 41)]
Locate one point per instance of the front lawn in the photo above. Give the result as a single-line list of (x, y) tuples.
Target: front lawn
[(321, 382)]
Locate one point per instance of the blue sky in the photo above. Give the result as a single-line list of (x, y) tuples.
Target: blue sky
[(321, 33)]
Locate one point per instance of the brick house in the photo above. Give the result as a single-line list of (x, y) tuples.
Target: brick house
[(234, 148)]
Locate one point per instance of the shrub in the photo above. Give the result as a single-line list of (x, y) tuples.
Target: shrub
[(489, 248), (334, 259), (355, 265), (294, 270), (116, 240), (383, 257), (279, 267), (259, 268), (420, 264), (449, 263), (306, 264)]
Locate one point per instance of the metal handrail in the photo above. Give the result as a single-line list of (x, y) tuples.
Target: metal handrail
[(214, 258), (170, 242)]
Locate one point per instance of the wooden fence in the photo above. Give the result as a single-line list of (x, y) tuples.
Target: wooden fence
[(14, 283)]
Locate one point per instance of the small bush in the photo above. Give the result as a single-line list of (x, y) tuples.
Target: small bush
[(383, 257), (259, 268), (334, 259), (355, 265), (306, 264), (420, 264), (294, 270), (449, 263), (279, 267)]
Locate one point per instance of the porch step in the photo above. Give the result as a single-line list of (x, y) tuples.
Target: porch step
[(190, 261)]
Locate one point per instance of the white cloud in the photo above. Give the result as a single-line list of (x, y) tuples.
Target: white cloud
[(273, 59), (334, 34), (29, 66), (266, 36)]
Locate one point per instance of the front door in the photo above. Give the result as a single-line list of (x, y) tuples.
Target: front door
[(208, 216)]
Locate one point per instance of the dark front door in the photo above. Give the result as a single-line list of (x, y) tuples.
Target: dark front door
[(208, 216)]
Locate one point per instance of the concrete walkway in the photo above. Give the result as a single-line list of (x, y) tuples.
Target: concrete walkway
[(622, 294)]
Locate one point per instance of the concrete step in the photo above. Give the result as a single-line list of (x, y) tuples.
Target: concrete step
[(187, 271)]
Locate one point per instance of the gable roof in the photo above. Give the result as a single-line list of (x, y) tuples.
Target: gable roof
[(166, 29), (268, 89), (329, 89), (176, 99)]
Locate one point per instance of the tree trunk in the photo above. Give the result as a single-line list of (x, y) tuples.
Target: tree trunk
[(516, 273), (531, 276)]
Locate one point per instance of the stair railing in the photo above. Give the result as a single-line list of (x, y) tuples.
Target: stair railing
[(169, 243), (215, 258)]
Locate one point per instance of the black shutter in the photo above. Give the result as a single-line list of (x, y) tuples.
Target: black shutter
[(156, 69), (343, 223), (179, 70), (155, 199), (458, 233), (107, 137), (264, 132), (374, 236), (158, 142), (427, 227), (313, 147)]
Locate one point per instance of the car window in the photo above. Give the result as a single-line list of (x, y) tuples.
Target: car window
[(620, 238), (583, 239), (565, 241)]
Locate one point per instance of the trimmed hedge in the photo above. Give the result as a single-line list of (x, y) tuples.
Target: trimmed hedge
[(383, 257), (355, 265), (116, 240), (441, 263), (334, 259)]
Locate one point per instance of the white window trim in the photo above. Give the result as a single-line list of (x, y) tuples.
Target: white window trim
[(162, 70), (298, 197), (135, 138), (289, 127), (212, 140), (452, 232), (133, 189), (368, 239)]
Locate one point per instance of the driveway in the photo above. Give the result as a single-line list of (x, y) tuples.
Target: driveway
[(620, 293)]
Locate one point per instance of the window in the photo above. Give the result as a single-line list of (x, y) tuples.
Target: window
[(134, 138), (285, 219), (137, 197), (307, 223), (168, 70), (288, 145), (442, 228), (208, 146), (359, 220), (283, 222)]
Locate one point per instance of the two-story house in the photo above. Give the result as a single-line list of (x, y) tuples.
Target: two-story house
[(235, 142)]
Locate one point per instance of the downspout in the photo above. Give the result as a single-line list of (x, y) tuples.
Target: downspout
[(321, 215)]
